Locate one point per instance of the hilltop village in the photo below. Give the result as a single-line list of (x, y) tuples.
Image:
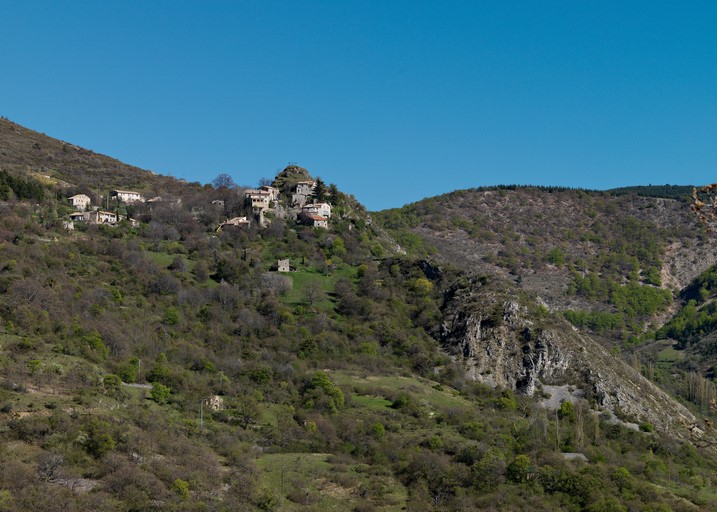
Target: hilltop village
[(293, 196)]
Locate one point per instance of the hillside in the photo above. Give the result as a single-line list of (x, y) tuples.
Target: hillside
[(161, 361), (65, 164), (574, 248)]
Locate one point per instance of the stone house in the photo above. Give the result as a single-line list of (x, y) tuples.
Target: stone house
[(316, 221), (305, 188), (171, 201), (80, 201), (283, 266), (95, 217), (215, 403), (235, 223), (105, 217), (302, 192)]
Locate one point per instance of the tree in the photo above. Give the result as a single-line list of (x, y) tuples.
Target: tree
[(313, 293), (320, 190), (248, 411), (334, 194), (518, 469), (98, 440), (223, 181)]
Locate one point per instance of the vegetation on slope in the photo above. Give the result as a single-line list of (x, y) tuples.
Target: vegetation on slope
[(35, 154), (607, 251), (167, 367), (327, 377)]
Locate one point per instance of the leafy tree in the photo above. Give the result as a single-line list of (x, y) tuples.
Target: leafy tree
[(248, 411), (98, 440), (518, 469), (160, 393), (320, 381)]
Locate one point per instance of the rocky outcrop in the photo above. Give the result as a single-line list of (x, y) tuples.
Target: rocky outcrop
[(499, 347), (516, 343)]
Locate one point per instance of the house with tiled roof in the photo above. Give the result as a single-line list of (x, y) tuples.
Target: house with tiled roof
[(316, 221)]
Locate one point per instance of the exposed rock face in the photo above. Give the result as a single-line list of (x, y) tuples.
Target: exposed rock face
[(499, 343), (499, 347)]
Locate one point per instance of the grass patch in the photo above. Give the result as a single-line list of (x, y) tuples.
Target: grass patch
[(428, 393), (668, 356), (319, 481), (371, 402), (162, 259), (303, 279)]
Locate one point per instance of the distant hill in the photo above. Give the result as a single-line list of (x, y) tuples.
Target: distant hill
[(576, 248), (683, 192), (48, 159)]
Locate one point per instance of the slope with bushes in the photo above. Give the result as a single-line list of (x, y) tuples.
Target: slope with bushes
[(167, 367)]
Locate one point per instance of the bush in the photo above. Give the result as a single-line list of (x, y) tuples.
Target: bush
[(160, 393)]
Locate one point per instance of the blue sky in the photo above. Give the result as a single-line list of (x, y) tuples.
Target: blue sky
[(393, 101)]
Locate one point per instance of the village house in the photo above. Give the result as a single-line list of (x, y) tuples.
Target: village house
[(80, 201), (105, 217), (126, 196), (171, 201), (302, 192), (305, 188), (273, 192), (283, 266), (316, 221), (260, 199), (95, 217), (235, 223), (321, 209), (80, 217)]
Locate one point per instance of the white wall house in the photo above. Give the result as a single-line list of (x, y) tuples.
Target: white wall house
[(273, 192), (126, 196), (96, 217), (260, 199), (80, 201), (321, 209)]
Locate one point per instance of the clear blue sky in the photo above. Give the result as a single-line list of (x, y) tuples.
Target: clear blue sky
[(393, 101)]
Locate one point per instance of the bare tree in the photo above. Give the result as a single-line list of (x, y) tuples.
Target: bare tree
[(224, 181), (313, 293)]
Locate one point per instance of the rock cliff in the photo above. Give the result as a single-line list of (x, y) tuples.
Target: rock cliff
[(507, 340)]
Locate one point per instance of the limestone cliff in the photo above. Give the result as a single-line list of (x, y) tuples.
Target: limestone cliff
[(511, 341)]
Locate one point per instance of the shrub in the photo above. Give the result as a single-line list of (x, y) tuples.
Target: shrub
[(160, 393)]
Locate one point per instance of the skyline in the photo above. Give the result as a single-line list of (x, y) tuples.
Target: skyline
[(420, 98)]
